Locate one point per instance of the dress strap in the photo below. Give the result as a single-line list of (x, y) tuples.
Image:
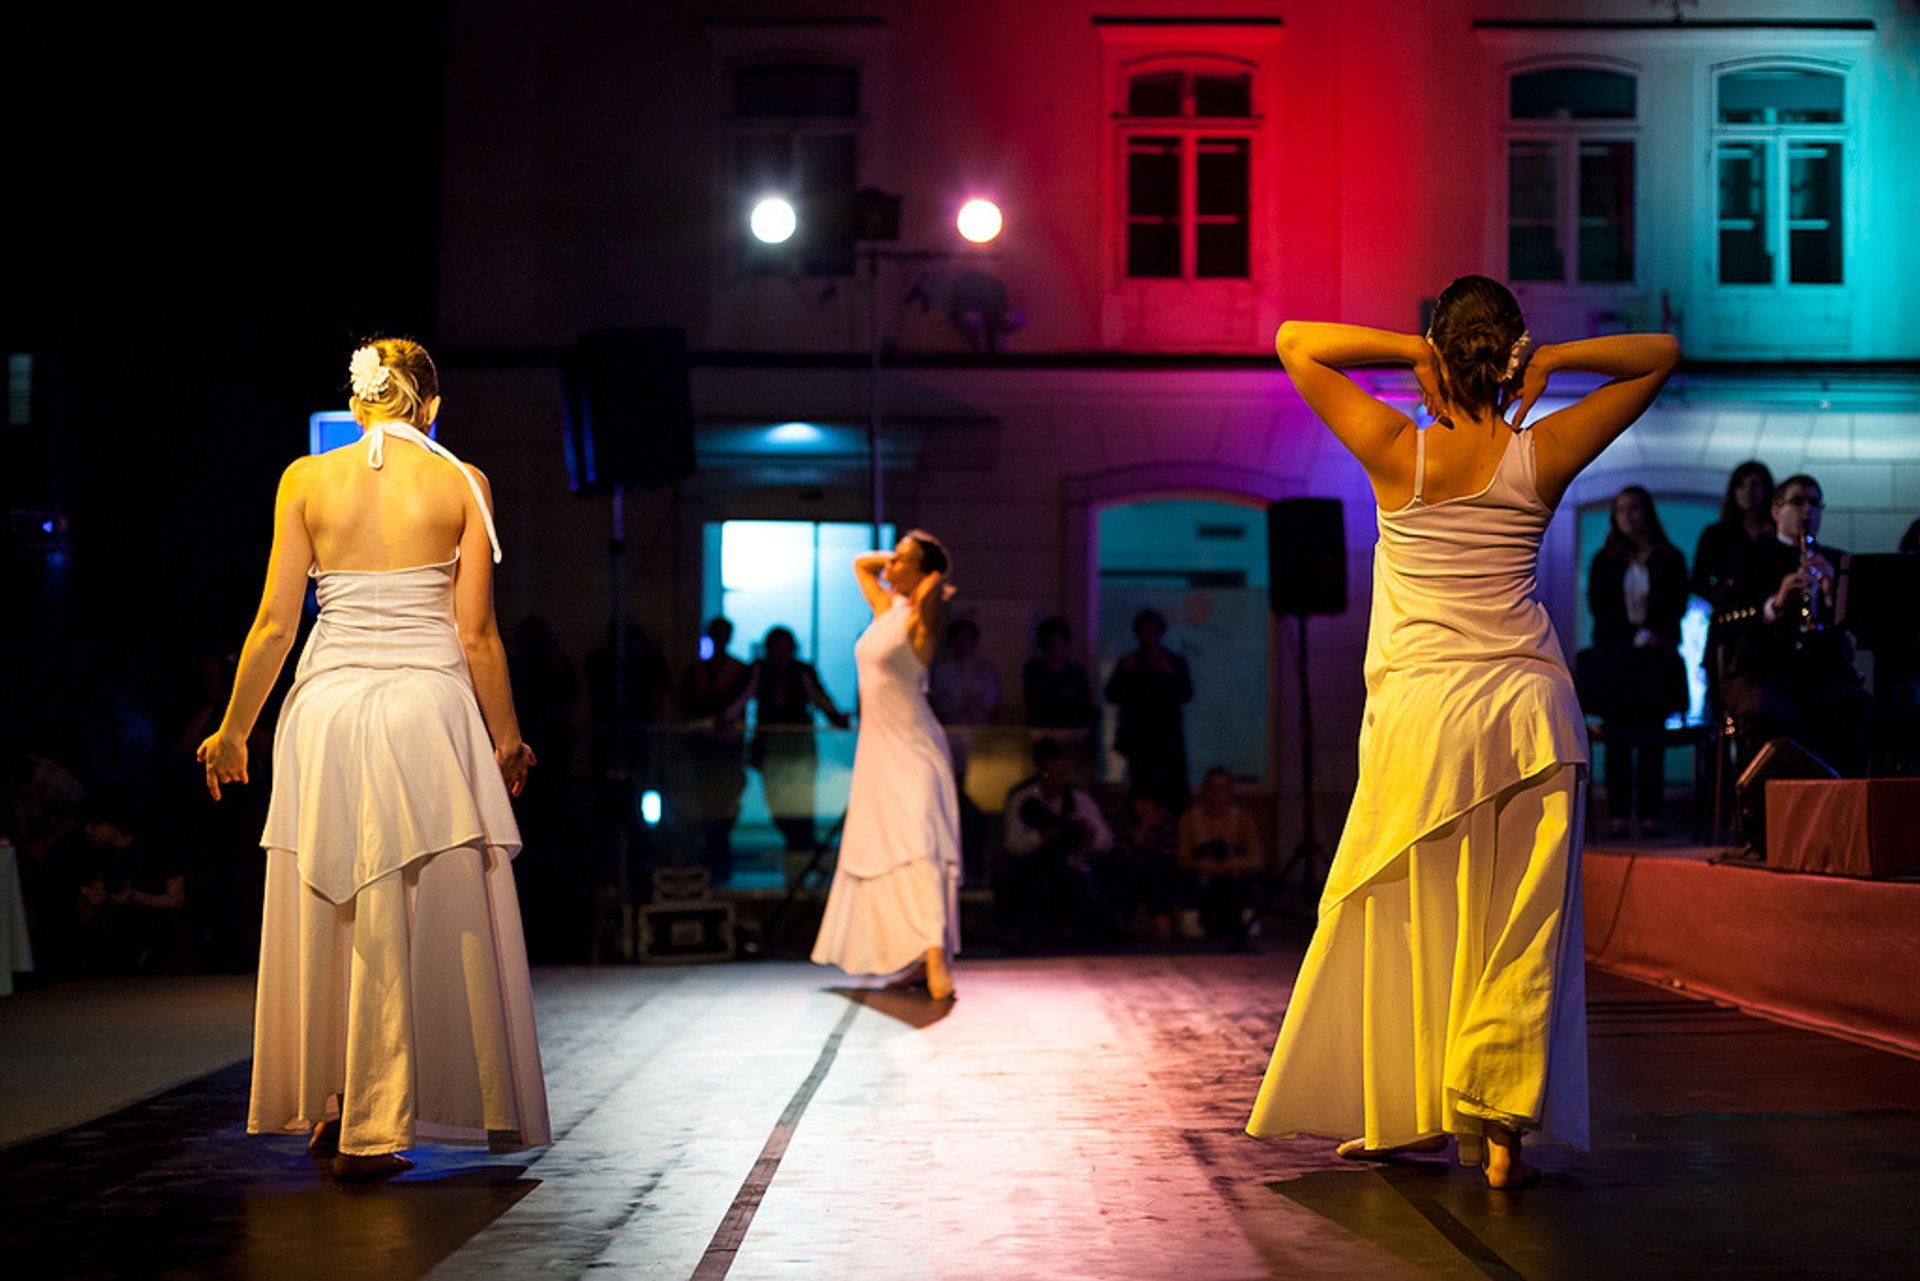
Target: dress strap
[(1419, 462), (377, 458)]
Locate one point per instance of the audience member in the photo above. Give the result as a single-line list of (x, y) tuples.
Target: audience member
[(129, 909), (556, 890), (1145, 864), (1148, 687), (1058, 695), (219, 843), (1220, 856), (710, 695), (42, 801), (785, 693), (1789, 667), (1746, 521), (963, 690), (1055, 833), (1633, 677)]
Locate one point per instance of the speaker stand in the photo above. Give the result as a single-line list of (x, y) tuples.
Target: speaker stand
[(1309, 856)]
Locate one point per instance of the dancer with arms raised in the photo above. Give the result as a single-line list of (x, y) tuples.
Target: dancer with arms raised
[(1443, 994), (894, 903), (393, 1000)]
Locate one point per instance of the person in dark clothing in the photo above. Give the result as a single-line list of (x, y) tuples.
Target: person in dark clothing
[(1634, 676), (129, 913), (785, 693), (556, 891), (1057, 693), (1148, 686), (1746, 520), (1057, 842), (1788, 670), (710, 693)]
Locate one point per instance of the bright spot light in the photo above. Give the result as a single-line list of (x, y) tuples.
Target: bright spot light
[(46, 527), (650, 807), (773, 221), (794, 434), (979, 221)]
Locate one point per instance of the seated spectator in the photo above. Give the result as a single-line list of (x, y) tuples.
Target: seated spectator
[(1144, 869), (130, 907), (1057, 691), (1055, 834), (1220, 856)]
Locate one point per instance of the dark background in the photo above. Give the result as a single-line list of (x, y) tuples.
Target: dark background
[(209, 211)]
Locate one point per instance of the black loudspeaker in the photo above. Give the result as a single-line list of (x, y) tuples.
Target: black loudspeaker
[(1307, 556), (1781, 758), (629, 410)]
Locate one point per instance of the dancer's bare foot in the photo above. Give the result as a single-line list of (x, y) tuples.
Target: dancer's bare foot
[(1504, 1170), (325, 1141), (1357, 1149), (939, 977), (369, 1169)]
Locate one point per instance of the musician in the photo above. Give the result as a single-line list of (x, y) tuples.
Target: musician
[(1789, 666)]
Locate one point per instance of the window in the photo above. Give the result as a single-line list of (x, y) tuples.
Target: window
[(1779, 149), (796, 133), (1570, 175), (1187, 144)]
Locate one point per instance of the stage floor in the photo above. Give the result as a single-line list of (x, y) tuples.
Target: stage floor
[(1064, 1118)]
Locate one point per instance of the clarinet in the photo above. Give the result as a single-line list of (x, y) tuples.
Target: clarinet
[(1810, 620)]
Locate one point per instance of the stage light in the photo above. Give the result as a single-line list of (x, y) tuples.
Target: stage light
[(979, 221), (773, 221), (650, 807), (794, 434)]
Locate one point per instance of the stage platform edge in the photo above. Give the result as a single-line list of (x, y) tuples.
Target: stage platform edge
[(1833, 954)]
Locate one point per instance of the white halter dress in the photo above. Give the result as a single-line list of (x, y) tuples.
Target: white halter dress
[(896, 883), (393, 970), (1444, 986)]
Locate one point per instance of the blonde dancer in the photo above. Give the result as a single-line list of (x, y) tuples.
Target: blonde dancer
[(1442, 996)]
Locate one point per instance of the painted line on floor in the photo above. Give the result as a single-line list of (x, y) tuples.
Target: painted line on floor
[(1458, 1235), (718, 1259)]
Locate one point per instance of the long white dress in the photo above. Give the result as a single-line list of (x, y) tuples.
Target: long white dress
[(1444, 986), (896, 884), (393, 970)]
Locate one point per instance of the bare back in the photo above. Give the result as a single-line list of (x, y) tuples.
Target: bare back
[(410, 511), (1459, 462)]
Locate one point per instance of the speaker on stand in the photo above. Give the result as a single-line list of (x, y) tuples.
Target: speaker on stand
[(1782, 758), (1306, 574), (629, 420)]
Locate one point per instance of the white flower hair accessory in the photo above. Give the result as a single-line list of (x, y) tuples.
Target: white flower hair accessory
[(368, 375), (1517, 356)]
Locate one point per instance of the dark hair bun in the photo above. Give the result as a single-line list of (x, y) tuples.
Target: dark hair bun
[(1476, 323)]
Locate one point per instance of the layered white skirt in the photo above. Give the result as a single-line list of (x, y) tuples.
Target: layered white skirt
[(406, 1010), (1449, 990), (882, 924)]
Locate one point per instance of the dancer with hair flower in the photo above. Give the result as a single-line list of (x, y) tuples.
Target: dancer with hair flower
[(894, 903), (1442, 997), (393, 1001)]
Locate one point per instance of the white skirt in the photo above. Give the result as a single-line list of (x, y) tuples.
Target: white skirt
[(407, 1011), (882, 924), (1449, 991)]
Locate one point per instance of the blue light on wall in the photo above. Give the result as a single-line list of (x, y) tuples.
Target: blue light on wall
[(330, 430)]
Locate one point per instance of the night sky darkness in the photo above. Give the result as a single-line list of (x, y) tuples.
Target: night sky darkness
[(207, 212)]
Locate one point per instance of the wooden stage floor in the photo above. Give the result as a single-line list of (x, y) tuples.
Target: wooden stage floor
[(1064, 1118)]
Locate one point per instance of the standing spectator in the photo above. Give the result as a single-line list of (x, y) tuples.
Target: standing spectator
[(963, 690), (1148, 686), (710, 693), (1746, 521), (556, 890), (1058, 694), (1055, 833), (785, 692), (1220, 855), (1633, 677)]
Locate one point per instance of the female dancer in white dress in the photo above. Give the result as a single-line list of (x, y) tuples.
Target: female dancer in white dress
[(894, 902), (1443, 993), (393, 999)]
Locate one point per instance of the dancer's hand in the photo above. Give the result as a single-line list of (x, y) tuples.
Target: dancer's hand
[(514, 763), (1533, 382), (1426, 373), (225, 760)]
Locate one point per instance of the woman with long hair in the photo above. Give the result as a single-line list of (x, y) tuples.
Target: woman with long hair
[(893, 907), (393, 1001), (1442, 995), (1637, 591)]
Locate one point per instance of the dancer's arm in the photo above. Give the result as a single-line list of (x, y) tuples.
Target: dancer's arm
[(929, 615), (1317, 355), (480, 641), (1638, 366), (866, 572), (275, 625)]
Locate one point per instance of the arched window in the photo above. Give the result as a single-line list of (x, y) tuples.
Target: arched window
[(795, 133), (1187, 136), (1571, 134), (1780, 142)]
